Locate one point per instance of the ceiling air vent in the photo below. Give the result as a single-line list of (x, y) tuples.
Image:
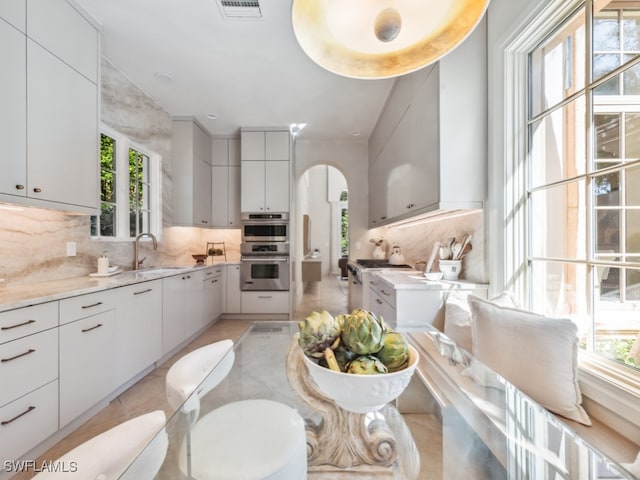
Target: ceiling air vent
[(240, 8)]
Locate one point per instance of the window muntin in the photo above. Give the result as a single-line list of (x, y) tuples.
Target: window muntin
[(130, 194), (583, 203)]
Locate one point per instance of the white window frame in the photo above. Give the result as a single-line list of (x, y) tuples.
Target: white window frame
[(604, 383), (121, 152)]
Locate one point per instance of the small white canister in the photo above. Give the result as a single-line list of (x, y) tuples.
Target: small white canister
[(103, 264)]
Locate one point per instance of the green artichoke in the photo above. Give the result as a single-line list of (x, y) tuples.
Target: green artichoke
[(363, 332), (395, 352), (318, 332), (366, 365)]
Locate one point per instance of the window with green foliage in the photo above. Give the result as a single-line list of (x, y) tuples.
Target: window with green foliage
[(129, 194), (344, 223)]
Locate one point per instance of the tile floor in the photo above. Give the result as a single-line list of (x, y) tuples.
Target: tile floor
[(149, 393)]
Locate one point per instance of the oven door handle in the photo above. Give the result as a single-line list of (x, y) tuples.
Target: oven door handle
[(264, 259)]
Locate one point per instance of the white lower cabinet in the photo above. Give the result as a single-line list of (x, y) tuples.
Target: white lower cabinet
[(28, 363), (87, 357), (138, 329), (182, 308), (232, 287), (212, 291), (28, 420), (382, 308), (265, 302)]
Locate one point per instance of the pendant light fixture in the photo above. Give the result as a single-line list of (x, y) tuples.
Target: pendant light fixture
[(382, 38)]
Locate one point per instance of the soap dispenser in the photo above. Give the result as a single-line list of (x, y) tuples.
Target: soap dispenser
[(103, 264)]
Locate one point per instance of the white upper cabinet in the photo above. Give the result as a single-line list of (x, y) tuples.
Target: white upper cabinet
[(14, 12), (191, 174), (57, 26), (49, 116), (62, 125), (265, 171), (13, 115), (225, 182), (428, 150)]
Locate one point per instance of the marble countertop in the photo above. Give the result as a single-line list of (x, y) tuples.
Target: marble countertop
[(24, 295), (414, 280)]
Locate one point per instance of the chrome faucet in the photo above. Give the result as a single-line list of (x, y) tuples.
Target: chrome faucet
[(136, 262)]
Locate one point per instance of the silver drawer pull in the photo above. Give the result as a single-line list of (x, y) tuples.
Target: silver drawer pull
[(18, 325), (143, 291), (84, 330), (265, 296), (373, 283), (378, 301), (31, 350), (97, 304), (384, 292), (7, 422)]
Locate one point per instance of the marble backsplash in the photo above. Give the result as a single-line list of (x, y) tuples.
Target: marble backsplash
[(416, 241), (33, 246)]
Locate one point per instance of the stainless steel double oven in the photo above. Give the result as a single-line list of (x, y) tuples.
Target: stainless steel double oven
[(265, 252)]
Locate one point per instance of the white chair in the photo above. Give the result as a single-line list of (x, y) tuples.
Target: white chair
[(108, 455), (249, 439)]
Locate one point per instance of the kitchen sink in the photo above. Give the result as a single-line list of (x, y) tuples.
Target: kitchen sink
[(154, 271)]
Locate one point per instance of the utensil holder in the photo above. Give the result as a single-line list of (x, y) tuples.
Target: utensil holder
[(450, 269)]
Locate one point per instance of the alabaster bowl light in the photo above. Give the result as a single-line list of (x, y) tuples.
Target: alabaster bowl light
[(362, 393), (382, 38)]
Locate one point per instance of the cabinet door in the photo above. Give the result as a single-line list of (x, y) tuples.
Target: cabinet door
[(234, 152), (252, 146), (232, 284), (14, 12), (277, 145), (59, 28), (62, 121), (377, 192), (13, 114), (252, 186), (219, 196), (219, 151), (194, 307), (201, 193), (234, 196), (87, 356), (139, 329), (277, 186), (173, 312)]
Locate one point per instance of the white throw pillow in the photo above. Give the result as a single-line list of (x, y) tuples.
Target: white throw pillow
[(457, 317), (537, 354)]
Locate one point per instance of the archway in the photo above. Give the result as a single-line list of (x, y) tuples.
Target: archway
[(322, 214)]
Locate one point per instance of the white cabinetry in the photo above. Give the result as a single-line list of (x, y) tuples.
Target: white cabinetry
[(14, 12), (13, 115), (182, 308), (432, 129), (29, 373), (212, 295), (232, 288), (87, 352), (191, 174), (225, 182), (53, 108), (139, 328), (87, 357), (265, 302), (265, 171)]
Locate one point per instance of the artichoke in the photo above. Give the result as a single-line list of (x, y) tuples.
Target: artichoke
[(318, 332), (363, 332), (395, 352), (366, 365)]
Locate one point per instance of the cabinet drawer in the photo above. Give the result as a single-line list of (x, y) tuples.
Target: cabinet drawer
[(28, 421), (28, 363), (384, 290), (26, 321), (265, 302), (82, 306)]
